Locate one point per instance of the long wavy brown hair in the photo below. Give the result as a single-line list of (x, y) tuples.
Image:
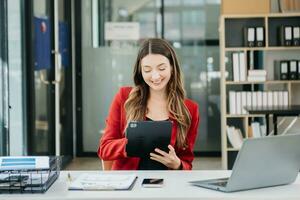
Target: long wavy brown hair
[(136, 104)]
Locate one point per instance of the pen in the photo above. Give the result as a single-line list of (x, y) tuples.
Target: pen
[(69, 177)]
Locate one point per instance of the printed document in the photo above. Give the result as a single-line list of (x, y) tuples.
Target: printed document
[(92, 181), (24, 162)]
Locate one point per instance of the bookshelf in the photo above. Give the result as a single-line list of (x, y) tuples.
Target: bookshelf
[(264, 57)]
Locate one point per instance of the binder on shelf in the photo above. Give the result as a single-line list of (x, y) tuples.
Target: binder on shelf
[(249, 99), (270, 98), (242, 66), (293, 74), (280, 98), (275, 98), (249, 36), (254, 99), (285, 98), (265, 99), (236, 70), (298, 69), (285, 35), (244, 102), (296, 35), (260, 41), (238, 103), (232, 102), (284, 70), (256, 129), (251, 60), (259, 98)]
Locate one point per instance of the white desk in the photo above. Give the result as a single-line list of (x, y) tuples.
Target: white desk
[(176, 188)]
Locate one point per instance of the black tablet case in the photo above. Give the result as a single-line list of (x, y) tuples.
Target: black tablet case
[(144, 136)]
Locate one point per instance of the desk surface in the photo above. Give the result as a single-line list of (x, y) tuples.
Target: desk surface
[(176, 188)]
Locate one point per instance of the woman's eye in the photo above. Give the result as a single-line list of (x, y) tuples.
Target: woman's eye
[(147, 71), (162, 69)]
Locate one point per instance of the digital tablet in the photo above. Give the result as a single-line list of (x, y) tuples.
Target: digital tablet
[(144, 136)]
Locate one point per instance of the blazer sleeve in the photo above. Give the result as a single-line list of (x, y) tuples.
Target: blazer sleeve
[(112, 143), (186, 154)]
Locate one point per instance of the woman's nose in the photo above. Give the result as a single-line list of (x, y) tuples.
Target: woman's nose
[(155, 75)]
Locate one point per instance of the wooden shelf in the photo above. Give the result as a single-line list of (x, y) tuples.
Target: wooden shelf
[(261, 82), (273, 48), (243, 116), (232, 149), (270, 15)]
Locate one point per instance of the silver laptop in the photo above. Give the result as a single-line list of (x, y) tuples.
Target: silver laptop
[(261, 162)]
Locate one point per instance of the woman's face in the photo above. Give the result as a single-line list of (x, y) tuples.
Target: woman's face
[(156, 71)]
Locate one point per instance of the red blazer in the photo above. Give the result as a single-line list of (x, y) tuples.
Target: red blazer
[(112, 143)]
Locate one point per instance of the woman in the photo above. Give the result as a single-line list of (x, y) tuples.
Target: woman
[(158, 95)]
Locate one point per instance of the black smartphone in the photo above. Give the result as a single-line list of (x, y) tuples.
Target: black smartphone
[(153, 182)]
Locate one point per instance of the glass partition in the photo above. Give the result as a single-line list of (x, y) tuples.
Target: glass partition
[(3, 80), (191, 27)]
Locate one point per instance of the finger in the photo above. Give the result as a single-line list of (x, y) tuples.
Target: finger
[(160, 152), (171, 148), (159, 157), (158, 160)]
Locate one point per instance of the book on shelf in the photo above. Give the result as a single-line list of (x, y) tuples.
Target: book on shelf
[(235, 136)]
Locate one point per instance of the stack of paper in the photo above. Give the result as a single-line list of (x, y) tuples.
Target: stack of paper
[(257, 75), (24, 162), (92, 181)]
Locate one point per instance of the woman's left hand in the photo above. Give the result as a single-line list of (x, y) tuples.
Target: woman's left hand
[(168, 159)]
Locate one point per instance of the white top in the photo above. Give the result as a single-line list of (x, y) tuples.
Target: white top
[(176, 187)]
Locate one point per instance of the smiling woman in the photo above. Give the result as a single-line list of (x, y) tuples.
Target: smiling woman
[(158, 95)]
